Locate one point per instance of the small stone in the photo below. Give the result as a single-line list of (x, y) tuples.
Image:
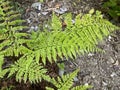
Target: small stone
[(71, 66), (63, 9), (112, 60), (44, 13), (32, 27), (86, 84), (113, 74), (39, 14), (109, 38), (93, 76), (28, 21), (76, 79), (61, 72), (90, 54), (35, 28), (104, 83), (36, 5), (116, 63)]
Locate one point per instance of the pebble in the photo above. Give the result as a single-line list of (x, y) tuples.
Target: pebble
[(28, 20), (109, 38), (93, 76), (116, 63), (36, 5), (61, 72), (44, 13), (35, 28), (113, 74), (86, 84), (104, 83), (76, 79), (110, 60), (90, 54)]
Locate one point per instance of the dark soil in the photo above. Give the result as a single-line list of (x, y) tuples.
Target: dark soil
[(101, 70)]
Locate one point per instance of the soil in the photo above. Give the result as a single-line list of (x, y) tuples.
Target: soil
[(101, 70)]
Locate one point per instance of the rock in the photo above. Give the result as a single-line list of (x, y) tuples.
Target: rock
[(113, 74), (36, 5)]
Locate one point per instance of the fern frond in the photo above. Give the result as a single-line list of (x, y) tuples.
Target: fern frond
[(79, 38), (10, 23), (1, 62), (56, 23), (68, 20), (65, 82), (27, 69), (2, 71)]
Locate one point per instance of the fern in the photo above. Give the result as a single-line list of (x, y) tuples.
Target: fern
[(27, 69), (79, 38), (2, 71), (66, 82), (10, 23), (56, 23)]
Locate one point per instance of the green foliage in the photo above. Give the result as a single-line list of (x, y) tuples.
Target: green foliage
[(28, 70), (2, 72), (66, 81), (10, 23), (34, 49), (113, 8), (1, 62), (79, 38)]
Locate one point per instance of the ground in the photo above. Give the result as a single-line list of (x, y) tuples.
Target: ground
[(101, 70)]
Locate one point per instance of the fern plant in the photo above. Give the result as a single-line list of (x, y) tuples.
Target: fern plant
[(10, 23), (66, 82), (28, 70), (112, 7), (33, 50), (78, 38), (11, 41)]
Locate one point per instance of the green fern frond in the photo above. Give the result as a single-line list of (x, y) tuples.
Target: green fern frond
[(79, 38), (56, 23), (68, 20), (66, 82), (2, 71), (10, 23), (1, 62), (27, 69)]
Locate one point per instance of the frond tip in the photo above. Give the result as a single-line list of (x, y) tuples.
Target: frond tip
[(66, 82)]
